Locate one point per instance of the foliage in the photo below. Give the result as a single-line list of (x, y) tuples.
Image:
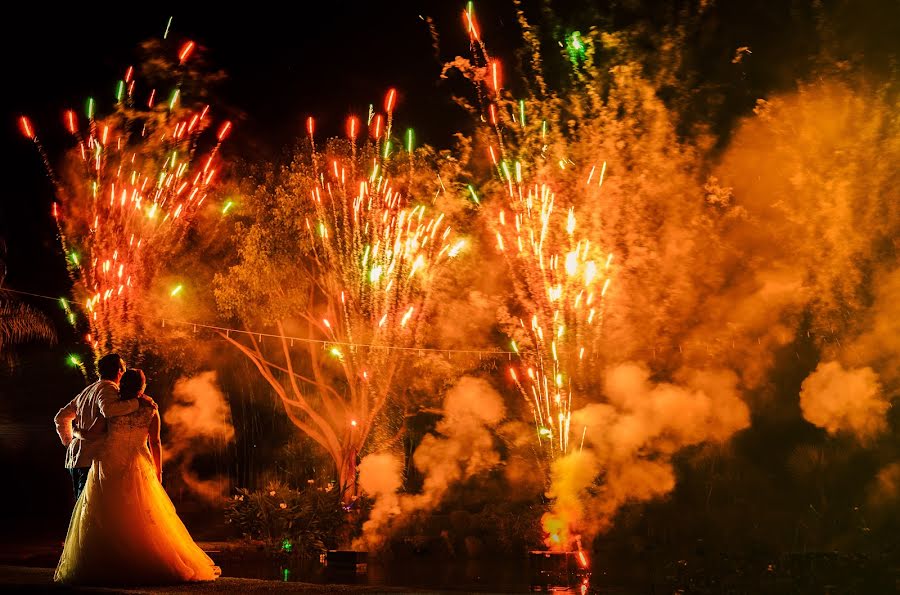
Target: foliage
[(510, 527), (342, 250), (19, 323), (303, 521)]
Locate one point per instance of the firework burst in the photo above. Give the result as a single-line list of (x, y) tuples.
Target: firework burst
[(130, 188), (561, 269), (561, 272), (354, 246)]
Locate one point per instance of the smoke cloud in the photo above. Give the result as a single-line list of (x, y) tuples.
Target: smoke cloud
[(713, 280), (886, 488), (462, 447), (381, 477), (842, 400), (629, 442), (464, 443), (198, 421)]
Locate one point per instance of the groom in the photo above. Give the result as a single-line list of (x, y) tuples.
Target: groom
[(88, 412)]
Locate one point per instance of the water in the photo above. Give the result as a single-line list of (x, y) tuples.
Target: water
[(482, 575), (808, 573)]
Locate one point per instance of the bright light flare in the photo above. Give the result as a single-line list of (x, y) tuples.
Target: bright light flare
[(186, 50), (26, 128)]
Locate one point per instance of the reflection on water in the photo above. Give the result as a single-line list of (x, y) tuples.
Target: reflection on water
[(814, 572), (483, 575)]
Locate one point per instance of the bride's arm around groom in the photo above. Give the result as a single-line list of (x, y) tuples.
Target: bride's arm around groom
[(108, 402)]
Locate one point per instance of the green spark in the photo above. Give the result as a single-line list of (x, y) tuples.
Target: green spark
[(576, 47), (474, 196)]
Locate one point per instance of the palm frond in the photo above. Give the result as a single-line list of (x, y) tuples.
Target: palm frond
[(20, 323)]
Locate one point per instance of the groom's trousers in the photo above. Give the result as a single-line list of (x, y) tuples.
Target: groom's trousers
[(79, 479)]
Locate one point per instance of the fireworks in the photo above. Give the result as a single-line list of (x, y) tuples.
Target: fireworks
[(356, 261), (560, 267), (376, 253), (561, 273), (131, 187), (375, 258), (565, 278)]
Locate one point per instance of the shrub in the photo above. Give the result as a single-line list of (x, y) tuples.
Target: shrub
[(304, 521)]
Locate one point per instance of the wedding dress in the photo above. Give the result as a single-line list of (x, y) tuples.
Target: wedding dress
[(124, 529)]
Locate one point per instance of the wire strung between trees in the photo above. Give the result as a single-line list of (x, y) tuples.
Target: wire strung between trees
[(324, 342), (228, 330)]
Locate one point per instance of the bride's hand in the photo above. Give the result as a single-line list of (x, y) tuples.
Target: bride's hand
[(96, 431)]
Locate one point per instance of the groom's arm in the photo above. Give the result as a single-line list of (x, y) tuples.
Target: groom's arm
[(111, 405), (63, 421)]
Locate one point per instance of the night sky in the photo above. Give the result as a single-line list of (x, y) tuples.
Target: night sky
[(329, 63), (280, 69)]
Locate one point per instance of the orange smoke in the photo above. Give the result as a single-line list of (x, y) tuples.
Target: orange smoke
[(198, 421)]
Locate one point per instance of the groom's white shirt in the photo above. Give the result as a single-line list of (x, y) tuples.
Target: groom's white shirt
[(98, 401)]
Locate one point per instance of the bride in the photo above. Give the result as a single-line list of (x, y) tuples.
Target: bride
[(124, 529)]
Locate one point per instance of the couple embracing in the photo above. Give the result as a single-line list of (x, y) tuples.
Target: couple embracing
[(124, 529)]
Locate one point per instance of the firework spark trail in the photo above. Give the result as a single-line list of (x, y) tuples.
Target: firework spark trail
[(561, 275), (132, 188), (376, 252), (566, 278), (357, 259), (561, 272)]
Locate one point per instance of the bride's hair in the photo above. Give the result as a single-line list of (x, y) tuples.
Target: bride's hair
[(132, 384)]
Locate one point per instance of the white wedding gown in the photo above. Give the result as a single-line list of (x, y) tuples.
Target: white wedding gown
[(124, 529)]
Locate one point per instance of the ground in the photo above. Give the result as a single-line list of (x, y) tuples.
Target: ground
[(23, 579)]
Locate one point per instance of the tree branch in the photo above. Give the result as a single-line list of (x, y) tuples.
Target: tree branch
[(263, 368)]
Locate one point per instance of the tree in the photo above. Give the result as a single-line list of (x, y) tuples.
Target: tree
[(339, 260), (19, 323)]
